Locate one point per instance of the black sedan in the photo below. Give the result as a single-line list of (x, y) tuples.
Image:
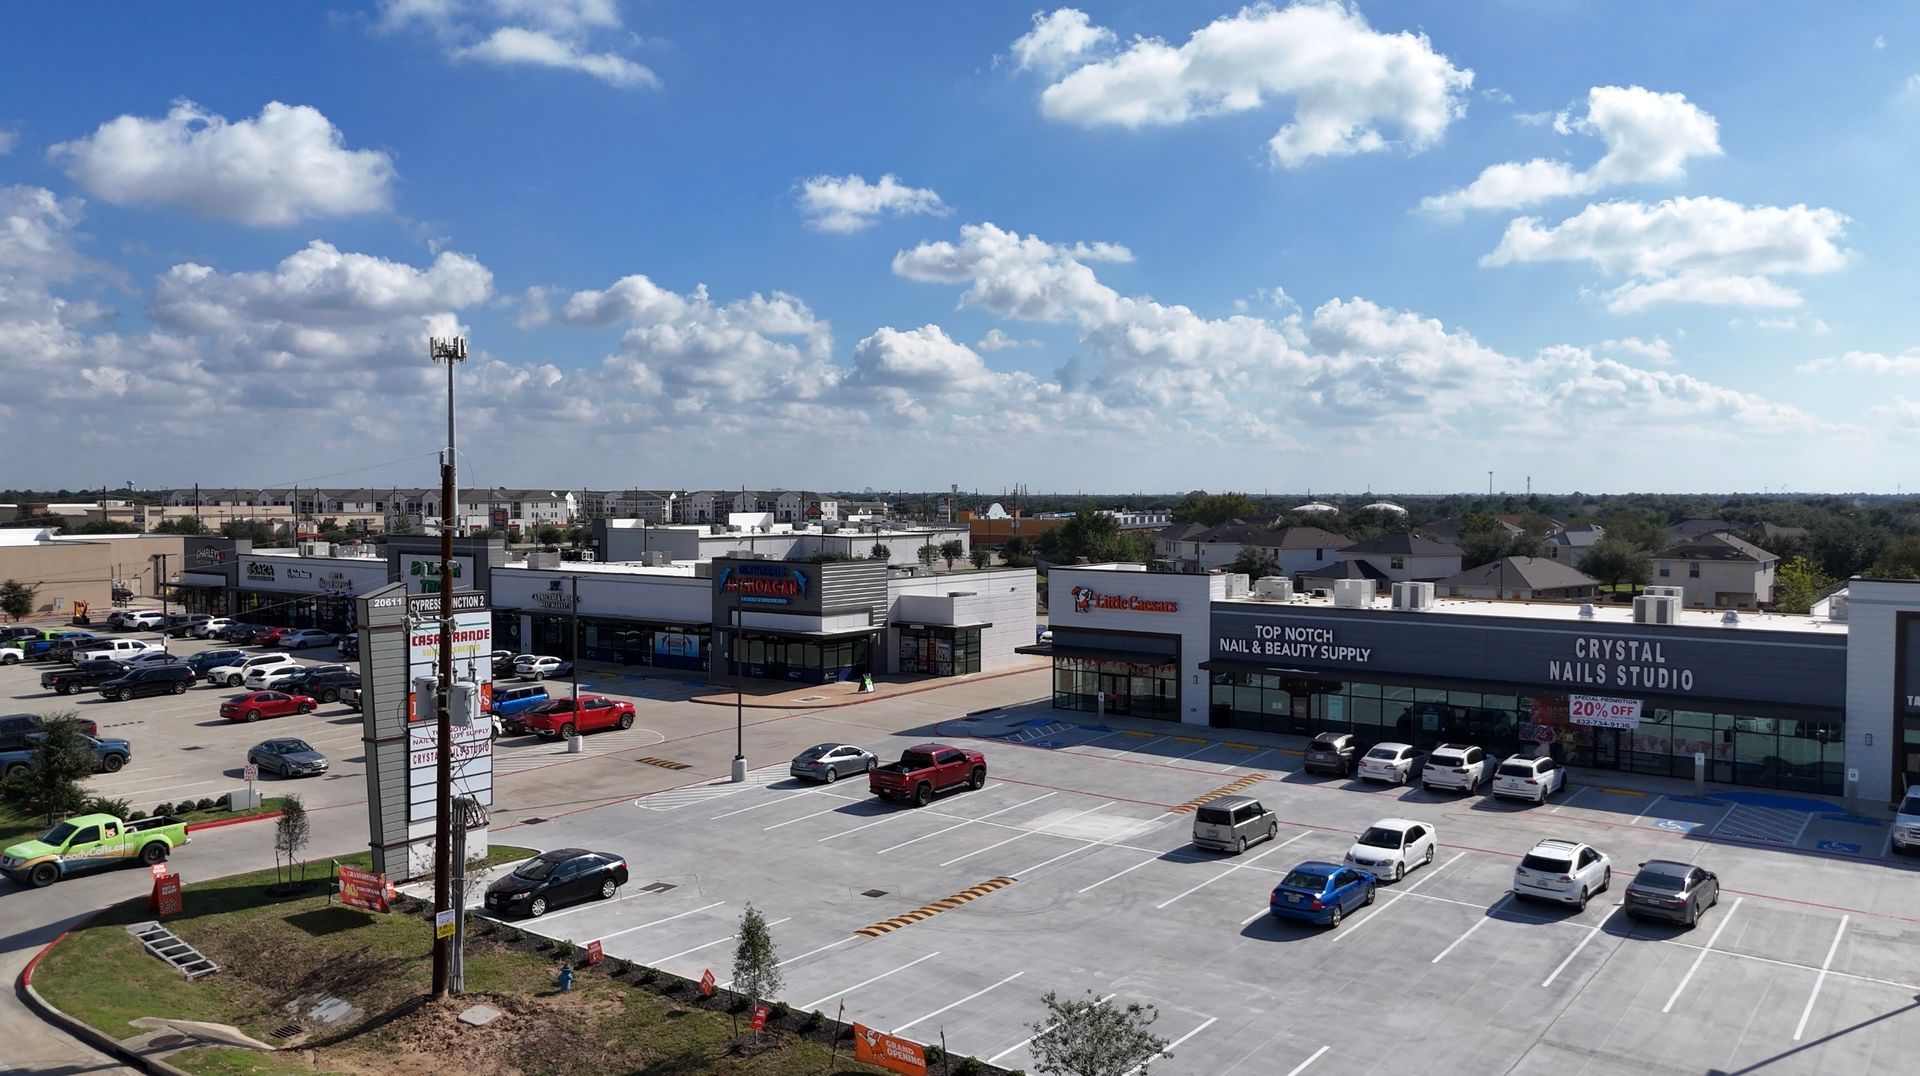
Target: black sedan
[(287, 757), (551, 879)]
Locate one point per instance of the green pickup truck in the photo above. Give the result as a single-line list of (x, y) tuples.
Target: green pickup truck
[(89, 841)]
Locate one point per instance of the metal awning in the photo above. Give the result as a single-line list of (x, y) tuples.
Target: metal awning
[(818, 636), (1058, 650), (201, 579), (956, 627)]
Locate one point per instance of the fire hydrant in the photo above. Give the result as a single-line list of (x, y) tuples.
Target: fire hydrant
[(566, 978)]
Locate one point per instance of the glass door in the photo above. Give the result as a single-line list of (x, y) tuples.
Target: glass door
[(1606, 749), (1118, 689)]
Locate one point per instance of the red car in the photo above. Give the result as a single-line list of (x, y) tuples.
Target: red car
[(255, 705), (564, 717), (272, 636)]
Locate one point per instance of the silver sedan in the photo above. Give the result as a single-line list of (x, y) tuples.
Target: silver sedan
[(831, 761)]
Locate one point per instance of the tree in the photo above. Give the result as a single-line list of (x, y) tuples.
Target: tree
[(17, 598), (1095, 536), (951, 550), (1797, 585), (927, 552), (980, 558), (1899, 560), (1092, 1037), (880, 551), (1255, 561), (756, 965), (1213, 509), (182, 525), (290, 833), (252, 530), (1016, 552), (1615, 560), (99, 526), (549, 534), (61, 760)]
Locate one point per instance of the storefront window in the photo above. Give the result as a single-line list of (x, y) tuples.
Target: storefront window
[(1139, 690), (934, 650)]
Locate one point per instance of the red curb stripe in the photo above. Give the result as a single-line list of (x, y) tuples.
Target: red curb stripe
[(194, 827)]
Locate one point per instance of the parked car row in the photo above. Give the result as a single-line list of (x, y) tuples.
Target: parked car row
[(1457, 767)]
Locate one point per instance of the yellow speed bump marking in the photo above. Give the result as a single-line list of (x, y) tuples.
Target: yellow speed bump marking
[(927, 911), (1138, 733), (1621, 791), (663, 763), (1196, 802), (1242, 746), (1189, 739)]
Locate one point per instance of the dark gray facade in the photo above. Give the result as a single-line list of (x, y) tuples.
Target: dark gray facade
[(382, 617)]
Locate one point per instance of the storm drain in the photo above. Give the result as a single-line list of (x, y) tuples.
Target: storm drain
[(531, 821), (810, 698), (284, 1032), (659, 887), (874, 893)]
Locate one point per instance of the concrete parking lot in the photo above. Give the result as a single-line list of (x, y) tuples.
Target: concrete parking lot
[(1071, 871)]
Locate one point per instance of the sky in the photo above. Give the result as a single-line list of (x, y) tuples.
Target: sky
[(1127, 247)]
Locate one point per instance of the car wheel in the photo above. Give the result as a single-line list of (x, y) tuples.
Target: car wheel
[(1693, 914), (43, 875), (626, 721), (923, 795), (304, 708), (1273, 830), (607, 889), (8, 659), (64, 688), (1543, 796), (1429, 858), (1334, 919), (566, 731), (18, 767), (978, 778), (1399, 870), (1716, 897), (233, 681), (537, 907), (1369, 899), (1242, 847), (112, 763), (253, 715), (1583, 898), (179, 687), (153, 852), (832, 775), (1606, 879), (329, 695)]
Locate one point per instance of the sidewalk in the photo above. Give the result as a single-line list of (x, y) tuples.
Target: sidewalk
[(771, 696)]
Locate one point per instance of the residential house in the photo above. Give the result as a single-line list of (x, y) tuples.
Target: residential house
[(801, 506), (1405, 556), (1689, 529), (1568, 545), (1520, 579), (1193, 548), (1717, 570), (1325, 576)]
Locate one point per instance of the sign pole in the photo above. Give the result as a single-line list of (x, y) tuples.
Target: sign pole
[(453, 351)]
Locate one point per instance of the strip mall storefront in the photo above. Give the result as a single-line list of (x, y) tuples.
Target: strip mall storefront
[(304, 592)]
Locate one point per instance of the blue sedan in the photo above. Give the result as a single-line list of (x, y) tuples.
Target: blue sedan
[(1322, 893)]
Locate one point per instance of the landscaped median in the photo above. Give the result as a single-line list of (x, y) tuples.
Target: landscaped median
[(281, 958), (16, 826)]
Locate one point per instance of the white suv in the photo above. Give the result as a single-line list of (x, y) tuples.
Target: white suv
[(1462, 767), (145, 618), (1906, 823), (1565, 871), (1389, 762), (236, 674), (1529, 779), (1393, 846)]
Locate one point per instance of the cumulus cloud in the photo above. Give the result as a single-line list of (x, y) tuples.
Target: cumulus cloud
[(1905, 364), (37, 234), (996, 340), (1059, 39), (1687, 250), (1351, 88), (319, 288), (286, 165), (7, 141), (1648, 136), (1655, 350), (850, 203), (566, 35)]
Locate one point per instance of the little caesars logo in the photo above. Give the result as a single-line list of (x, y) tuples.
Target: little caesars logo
[(1087, 598), (427, 573)]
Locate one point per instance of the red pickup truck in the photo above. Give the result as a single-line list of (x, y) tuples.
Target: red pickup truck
[(926, 769)]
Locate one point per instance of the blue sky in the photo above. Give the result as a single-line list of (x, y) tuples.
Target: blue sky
[(1118, 247)]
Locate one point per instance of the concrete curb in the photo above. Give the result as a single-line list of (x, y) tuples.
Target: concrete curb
[(195, 827), (80, 1029), (945, 682)]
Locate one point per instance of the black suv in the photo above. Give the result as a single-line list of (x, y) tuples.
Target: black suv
[(173, 679), (245, 634), (323, 684), (15, 728), (82, 677)]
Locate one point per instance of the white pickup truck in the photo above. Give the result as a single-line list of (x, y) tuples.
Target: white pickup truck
[(114, 650)]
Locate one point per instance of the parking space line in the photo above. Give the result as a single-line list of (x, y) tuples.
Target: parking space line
[(1477, 924), (1168, 1048), (1029, 833), (1248, 761), (1302, 1066), (1163, 904), (1800, 1028), (1227, 789), (1569, 800), (1205, 746), (657, 922), (810, 952), (551, 916), (995, 1059), (1702, 955), (757, 806), (1886, 849), (705, 945), (1802, 833), (812, 1005), (1651, 804), (1562, 966), (1722, 820), (889, 818), (1395, 899), (1116, 874), (1140, 828), (962, 1001), (957, 825)]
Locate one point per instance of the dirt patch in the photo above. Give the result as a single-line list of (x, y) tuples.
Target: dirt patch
[(534, 1035)]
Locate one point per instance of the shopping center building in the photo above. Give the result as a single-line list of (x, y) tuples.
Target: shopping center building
[(1826, 703)]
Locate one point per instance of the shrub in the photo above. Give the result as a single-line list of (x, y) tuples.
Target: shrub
[(619, 967), (513, 935), (566, 948), (225, 802), (648, 975), (136, 815), (968, 1067), (778, 1011), (164, 808), (812, 1021), (934, 1055), (205, 804), (104, 805)]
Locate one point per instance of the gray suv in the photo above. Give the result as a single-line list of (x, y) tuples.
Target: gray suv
[(1332, 752), (1230, 823)]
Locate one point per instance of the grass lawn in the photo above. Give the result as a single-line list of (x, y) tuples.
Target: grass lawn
[(272, 952), (16, 827)]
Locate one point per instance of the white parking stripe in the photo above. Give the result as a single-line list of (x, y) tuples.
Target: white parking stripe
[(1477, 924), (803, 956), (802, 818), (1886, 848), (757, 806), (1394, 899), (657, 922), (1162, 905), (1026, 833), (956, 1004), (812, 1005), (995, 1059), (1800, 1028), (1141, 828), (878, 821), (705, 945), (1802, 833), (1591, 931), (1688, 977), (1302, 1066), (1651, 804), (957, 825), (1116, 874), (1168, 1048), (1568, 802)]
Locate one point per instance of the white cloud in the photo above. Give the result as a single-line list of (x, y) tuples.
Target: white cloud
[(1059, 39), (1655, 350), (37, 234), (1901, 415), (8, 139), (1648, 136), (1497, 95), (286, 165), (1879, 41), (1789, 323), (924, 359), (1905, 364), (850, 203), (996, 340), (566, 35), (1344, 80), (1697, 250), (320, 288)]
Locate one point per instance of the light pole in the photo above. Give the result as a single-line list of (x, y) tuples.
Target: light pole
[(452, 351), (739, 773)]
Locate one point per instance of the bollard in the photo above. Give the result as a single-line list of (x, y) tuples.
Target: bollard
[(573, 744), (1700, 773)]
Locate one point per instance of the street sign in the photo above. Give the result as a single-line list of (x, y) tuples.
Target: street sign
[(443, 923), (159, 869), (593, 951), (760, 1016), (251, 773), (882, 1049), (167, 899), (706, 983)]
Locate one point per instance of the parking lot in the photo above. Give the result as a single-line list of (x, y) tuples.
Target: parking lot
[(1071, 871)]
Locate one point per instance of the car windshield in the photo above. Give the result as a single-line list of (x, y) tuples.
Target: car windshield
[(1546, 864), (536, 869), (1384, 752), (1377, 837), (1653, 879), (1911, 805), (58, 834), (1305, 880), (294, 746)]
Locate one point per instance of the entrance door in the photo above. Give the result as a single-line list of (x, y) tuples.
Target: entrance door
[(1119, 691), (1606, 749)]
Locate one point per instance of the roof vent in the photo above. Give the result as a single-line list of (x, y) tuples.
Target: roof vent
[(1352, 593), (1586, 610), (1273, 588), (1730, 618)]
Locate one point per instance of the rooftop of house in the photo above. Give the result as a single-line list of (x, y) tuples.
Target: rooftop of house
[(1402, 543), (1530, 573), (1717, 545)]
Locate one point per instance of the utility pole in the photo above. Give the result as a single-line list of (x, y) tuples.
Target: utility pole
[(453, 351), (574, 665)]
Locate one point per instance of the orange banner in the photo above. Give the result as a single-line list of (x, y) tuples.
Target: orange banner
[(364, 889), (882, 1049)]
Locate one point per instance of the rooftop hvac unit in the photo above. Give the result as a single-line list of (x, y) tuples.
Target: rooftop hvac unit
[(1352, 593), (1837, 607), (1411, 597), (1276, 588), (1656, 609), (543, 559), (1677, 593), (316, 549), (1237, 585), (585, 554)]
